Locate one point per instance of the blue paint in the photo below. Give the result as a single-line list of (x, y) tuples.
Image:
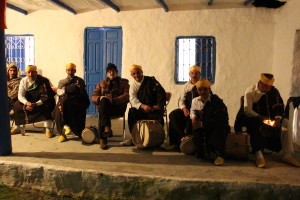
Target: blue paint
[(110, 4), (64, 6), (15, 49), (5, 138), (13, 7), (163, 4), (101, 46)]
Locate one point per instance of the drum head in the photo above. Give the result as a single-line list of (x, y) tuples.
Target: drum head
[(147, 134), (187, 146), (88, 135)]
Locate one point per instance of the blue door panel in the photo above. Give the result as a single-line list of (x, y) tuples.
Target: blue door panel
[(102, 46)]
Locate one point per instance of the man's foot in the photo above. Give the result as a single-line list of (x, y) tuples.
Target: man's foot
[(103, 143), (110, 133), (260, 163), (62, 138), (291, 161), (171, 147), (49, 134), (15, 131), (11, 114), (219, 161), (68, 131), (127, 143)]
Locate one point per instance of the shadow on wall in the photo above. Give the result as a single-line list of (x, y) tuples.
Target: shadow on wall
[(295, 79)]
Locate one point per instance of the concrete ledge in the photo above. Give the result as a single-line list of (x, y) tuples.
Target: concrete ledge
[(91, 183)]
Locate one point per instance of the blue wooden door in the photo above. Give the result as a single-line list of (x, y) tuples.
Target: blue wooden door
[(102, 46)]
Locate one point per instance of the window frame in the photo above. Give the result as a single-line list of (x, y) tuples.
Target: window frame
[(197, 58), (21, 66)]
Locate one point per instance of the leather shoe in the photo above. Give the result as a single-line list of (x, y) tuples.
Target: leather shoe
[(127, 143), (291, 161), (68, 131), (103, 143), (62, 138), (14, 131), (260, 163), (219, 161), (49, 134)]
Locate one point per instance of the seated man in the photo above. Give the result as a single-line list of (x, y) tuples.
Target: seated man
[(35, 101), (179, 118), (262, 103), (13, 82), (209, 123), (147, 99), (70, 111), (111, 97)]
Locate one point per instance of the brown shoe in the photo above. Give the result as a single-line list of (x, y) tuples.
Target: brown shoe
[(103, 143), (291, 161), (261, 163)]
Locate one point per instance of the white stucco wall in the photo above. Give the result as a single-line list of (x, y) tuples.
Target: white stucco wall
[(287, 23), (244, 43)]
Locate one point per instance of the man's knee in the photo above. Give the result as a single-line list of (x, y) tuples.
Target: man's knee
[(175, 114)]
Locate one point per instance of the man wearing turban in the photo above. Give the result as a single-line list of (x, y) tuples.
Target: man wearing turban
[(35, 101), (13, 82), (263, 103), (147, 99), (209, 119), (70, 110), (111, 96), (179, 117)]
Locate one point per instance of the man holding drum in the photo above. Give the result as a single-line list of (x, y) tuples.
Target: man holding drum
[(209, 123), (147, 99), (262, 114), (179, 118), (111, 97), (70, 111)]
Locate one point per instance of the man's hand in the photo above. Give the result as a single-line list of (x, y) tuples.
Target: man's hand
[(146, 108), (30, 106), (155, 107), (196, 123), (277, 122), (108, 97), (262, 118), (186, 112)]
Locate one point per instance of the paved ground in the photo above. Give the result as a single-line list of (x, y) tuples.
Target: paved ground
[(36, 148)]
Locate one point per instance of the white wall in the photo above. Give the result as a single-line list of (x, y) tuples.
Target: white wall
[(287, 22), (244, 43)]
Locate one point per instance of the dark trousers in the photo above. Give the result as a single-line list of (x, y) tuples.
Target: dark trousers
[(262, 136), (210, 141), (107, 110), (135, 115), (177, 125)]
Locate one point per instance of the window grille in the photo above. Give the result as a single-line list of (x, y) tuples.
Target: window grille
[(195, 50), (20, 49)]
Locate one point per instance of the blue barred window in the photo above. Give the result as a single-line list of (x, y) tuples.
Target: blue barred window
[(195, 50), (20, 49)]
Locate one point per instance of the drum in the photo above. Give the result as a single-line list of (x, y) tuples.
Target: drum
[(187, 145), (148, 134), (90, 135)]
